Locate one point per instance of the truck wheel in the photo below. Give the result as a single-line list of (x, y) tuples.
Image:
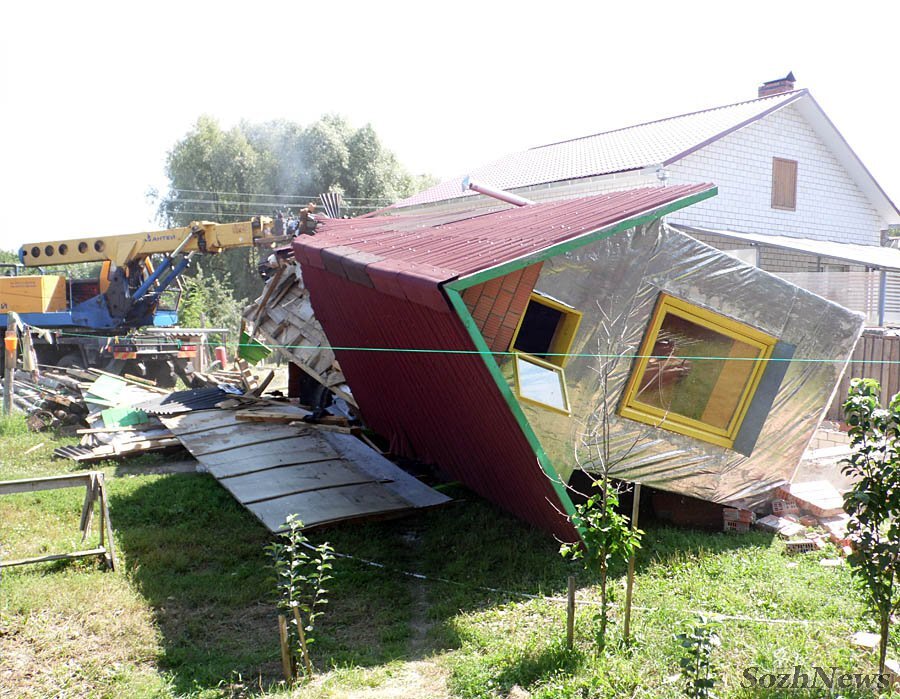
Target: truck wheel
[(163, 373)]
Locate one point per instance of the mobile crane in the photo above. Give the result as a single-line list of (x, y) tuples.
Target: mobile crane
[(100, 318)]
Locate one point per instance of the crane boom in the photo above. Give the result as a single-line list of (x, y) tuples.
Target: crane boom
[(122, 250)]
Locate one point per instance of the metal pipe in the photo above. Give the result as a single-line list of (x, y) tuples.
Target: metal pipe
[(510, 198), (158, 272), (178, 269)]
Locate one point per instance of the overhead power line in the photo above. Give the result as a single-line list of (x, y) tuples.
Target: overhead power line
[(233, 202), (306, 197)]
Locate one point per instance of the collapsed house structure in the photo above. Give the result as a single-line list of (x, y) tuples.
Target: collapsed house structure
[(510, 348)]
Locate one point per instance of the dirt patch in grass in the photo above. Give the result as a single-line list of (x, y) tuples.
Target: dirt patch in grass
[(53, 654)]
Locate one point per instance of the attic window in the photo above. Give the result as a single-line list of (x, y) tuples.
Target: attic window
[(546, 329), (784, 184), (696, 372), (541, 383), (541, 343)]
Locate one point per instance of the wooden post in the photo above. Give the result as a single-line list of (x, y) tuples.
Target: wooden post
[(570, 614), (10, 345), (301, 634), (635, 509), (285, 649)]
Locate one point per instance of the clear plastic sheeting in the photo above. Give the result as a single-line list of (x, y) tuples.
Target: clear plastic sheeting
[(616, 284)]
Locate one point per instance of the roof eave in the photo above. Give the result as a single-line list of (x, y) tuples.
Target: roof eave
[(799, 95), (848, 158)]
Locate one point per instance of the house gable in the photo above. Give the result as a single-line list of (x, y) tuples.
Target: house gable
[(830, 205)]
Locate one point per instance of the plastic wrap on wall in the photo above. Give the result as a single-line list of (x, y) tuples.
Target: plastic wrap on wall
[(615, 283)]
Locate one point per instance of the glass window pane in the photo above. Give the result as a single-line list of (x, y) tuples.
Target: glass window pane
[(696, 372), (541, 384)]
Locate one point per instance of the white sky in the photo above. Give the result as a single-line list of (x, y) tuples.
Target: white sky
[(94, 94)]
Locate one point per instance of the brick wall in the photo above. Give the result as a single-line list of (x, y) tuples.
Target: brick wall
[(829, 204), (497, 305)]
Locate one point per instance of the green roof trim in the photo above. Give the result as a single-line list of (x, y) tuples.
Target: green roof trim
[(546, 465)]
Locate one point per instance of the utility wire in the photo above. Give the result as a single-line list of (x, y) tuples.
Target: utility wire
[(263, 194), (235, 202), (508, 353)]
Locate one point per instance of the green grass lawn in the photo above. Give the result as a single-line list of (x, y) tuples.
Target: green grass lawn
[(191, 614)]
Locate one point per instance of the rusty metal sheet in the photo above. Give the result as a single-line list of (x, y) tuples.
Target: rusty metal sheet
[(275, 470)]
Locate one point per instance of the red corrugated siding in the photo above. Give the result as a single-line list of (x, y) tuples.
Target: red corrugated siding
[(441, 408)]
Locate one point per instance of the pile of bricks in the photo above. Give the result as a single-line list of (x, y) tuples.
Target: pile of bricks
[(811, 511)]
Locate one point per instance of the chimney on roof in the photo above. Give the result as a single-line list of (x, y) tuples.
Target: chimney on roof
[(776, 87)]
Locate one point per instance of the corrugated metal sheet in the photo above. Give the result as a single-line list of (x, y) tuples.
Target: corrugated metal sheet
[(631, 148), (408, 256), (885, 258), (439, 407), (186, 401)]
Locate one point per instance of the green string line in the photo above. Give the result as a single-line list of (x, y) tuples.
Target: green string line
[(499, 353)]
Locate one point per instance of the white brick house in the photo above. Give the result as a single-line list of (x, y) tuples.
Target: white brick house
[(784, 172)]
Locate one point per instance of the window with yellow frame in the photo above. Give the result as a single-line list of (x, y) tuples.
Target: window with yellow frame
[(696, 372), (541, 343)]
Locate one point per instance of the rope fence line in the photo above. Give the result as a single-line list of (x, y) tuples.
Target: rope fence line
[(562, 600)]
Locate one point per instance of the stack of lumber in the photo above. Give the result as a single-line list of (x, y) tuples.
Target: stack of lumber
[(284, 319), (51, 398)]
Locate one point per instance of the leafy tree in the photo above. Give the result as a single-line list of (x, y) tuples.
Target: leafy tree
[(873, 502), (253, 168), (607, 537), (697, 645), (208, 299), (8, 257), (302, 571), (206, 170)]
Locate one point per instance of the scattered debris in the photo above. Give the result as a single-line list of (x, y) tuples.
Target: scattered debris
[(283, 317), (865, 639), (800, 546), (816, 497), (737, 520), (781, 526)]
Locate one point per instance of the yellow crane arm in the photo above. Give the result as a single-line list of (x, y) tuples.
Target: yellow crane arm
[(201, 236)]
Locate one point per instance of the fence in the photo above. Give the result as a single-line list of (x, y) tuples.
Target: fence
[(877, 356)]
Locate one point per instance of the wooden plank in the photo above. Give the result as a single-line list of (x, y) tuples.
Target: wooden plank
[(397, 480), (30, 485), (53, 557), (278, 470), (319, 507), (249, 458), (286, 480)]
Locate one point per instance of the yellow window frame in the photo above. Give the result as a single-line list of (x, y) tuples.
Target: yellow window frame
[(560, 373), (633, 409), (563, 336)]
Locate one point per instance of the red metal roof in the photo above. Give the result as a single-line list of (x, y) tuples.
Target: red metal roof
[(441, 408), (663, 141), (409, 256)]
